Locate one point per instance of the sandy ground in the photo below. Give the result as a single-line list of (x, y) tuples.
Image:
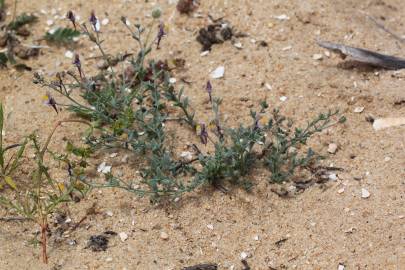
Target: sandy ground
[(323, 228)]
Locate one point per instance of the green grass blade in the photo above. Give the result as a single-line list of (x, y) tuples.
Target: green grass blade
[(62, 36), (1, 136), (17, 158)]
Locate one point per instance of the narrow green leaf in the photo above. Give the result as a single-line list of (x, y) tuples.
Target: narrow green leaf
[(17, 158), (22, 20), (3, 60), (1, 136)]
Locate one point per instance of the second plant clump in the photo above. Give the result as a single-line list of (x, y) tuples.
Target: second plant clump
[(129, 107)]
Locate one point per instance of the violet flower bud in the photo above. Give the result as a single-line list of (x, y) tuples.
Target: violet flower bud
[(203, 133), (71, 16), (161, 34), (95, 22), (209, 90), (50, 101), (78, 64)]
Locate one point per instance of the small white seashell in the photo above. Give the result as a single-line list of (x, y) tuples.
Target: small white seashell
[(164, 236), (103, 168), (365, 193), (238, 45), (317, 56), (332, 148), (383, 123), (282, 17), (286, 48), (123, 236), (218, 72), (69, 54)]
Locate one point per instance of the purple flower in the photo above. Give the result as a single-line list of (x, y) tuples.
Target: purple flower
[(209, 90), (70, 169), (78, 64), (203, 133), (50, 101), (256, 125), (219, 130), (71, 16), (161, 34), (94, 21)]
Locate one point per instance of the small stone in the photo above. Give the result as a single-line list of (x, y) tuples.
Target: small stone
[(358, 109), (332, 177), (256, 238), (283, 98), (317, 56), (49, 22), (365, 193), (69, 54), (210, 226), (125, 159), (244, 255), (341, 267), (332, 148), (71, 242), (123, 236), (218, 72), (172, 80), (109, 213), (113, 155), (164, 236), (292, 189), (340, 191), (188, 156), (109, 259), (105, 21)]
